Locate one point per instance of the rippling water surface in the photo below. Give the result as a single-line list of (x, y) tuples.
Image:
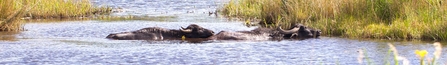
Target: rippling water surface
[(83, 41)]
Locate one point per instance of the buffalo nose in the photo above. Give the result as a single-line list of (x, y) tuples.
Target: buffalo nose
[(318, 33)]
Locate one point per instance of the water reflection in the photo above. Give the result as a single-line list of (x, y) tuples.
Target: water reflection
[(8, 36), (142, 18)]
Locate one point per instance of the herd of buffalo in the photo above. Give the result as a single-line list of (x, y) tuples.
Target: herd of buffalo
[(297, 31)]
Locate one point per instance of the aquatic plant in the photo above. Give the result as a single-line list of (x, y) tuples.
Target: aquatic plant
[(397, 57), (437, 54), (421, 54), (383, 19), (363, 55)]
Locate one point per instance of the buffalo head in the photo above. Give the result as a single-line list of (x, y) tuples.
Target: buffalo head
[(315, 32), (195, 31), (299, 31)]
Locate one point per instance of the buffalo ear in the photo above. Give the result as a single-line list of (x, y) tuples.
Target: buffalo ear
[(302, 26)]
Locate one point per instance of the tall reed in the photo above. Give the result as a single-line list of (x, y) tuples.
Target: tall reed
[(63, 8), (384, 19), (11, 11)]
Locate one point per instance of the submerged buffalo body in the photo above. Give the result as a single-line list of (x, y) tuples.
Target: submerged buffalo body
[(194, 31), (156, 33), (296, 32), (256, 34)]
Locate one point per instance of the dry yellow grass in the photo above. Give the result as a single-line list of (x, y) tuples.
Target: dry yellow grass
[(13, 10), (62, 8)]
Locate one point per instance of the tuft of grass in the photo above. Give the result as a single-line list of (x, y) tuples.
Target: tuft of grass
[(382, 19), (14, 10), (63, 8), (243, 8)]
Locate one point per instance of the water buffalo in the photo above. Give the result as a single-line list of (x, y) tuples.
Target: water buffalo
[(157, 33), (298, 31)]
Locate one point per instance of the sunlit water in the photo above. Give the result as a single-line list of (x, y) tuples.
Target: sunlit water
[(83, 42)]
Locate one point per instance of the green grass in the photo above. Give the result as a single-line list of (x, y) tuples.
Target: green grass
[(13, 10), (382, 19)]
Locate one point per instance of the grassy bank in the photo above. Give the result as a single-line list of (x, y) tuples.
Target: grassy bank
[(384, 19), (13, 10)]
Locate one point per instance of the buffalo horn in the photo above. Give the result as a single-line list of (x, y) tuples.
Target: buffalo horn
[(186, 30), (288, 31), (183, 28)]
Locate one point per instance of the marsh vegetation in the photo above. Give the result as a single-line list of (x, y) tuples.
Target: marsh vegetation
[(380, 19), (13, 11)]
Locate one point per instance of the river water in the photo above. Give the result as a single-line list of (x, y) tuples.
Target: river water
[(83, 41)]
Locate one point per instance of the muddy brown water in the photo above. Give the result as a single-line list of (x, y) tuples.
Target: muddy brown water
[(83, 41)]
